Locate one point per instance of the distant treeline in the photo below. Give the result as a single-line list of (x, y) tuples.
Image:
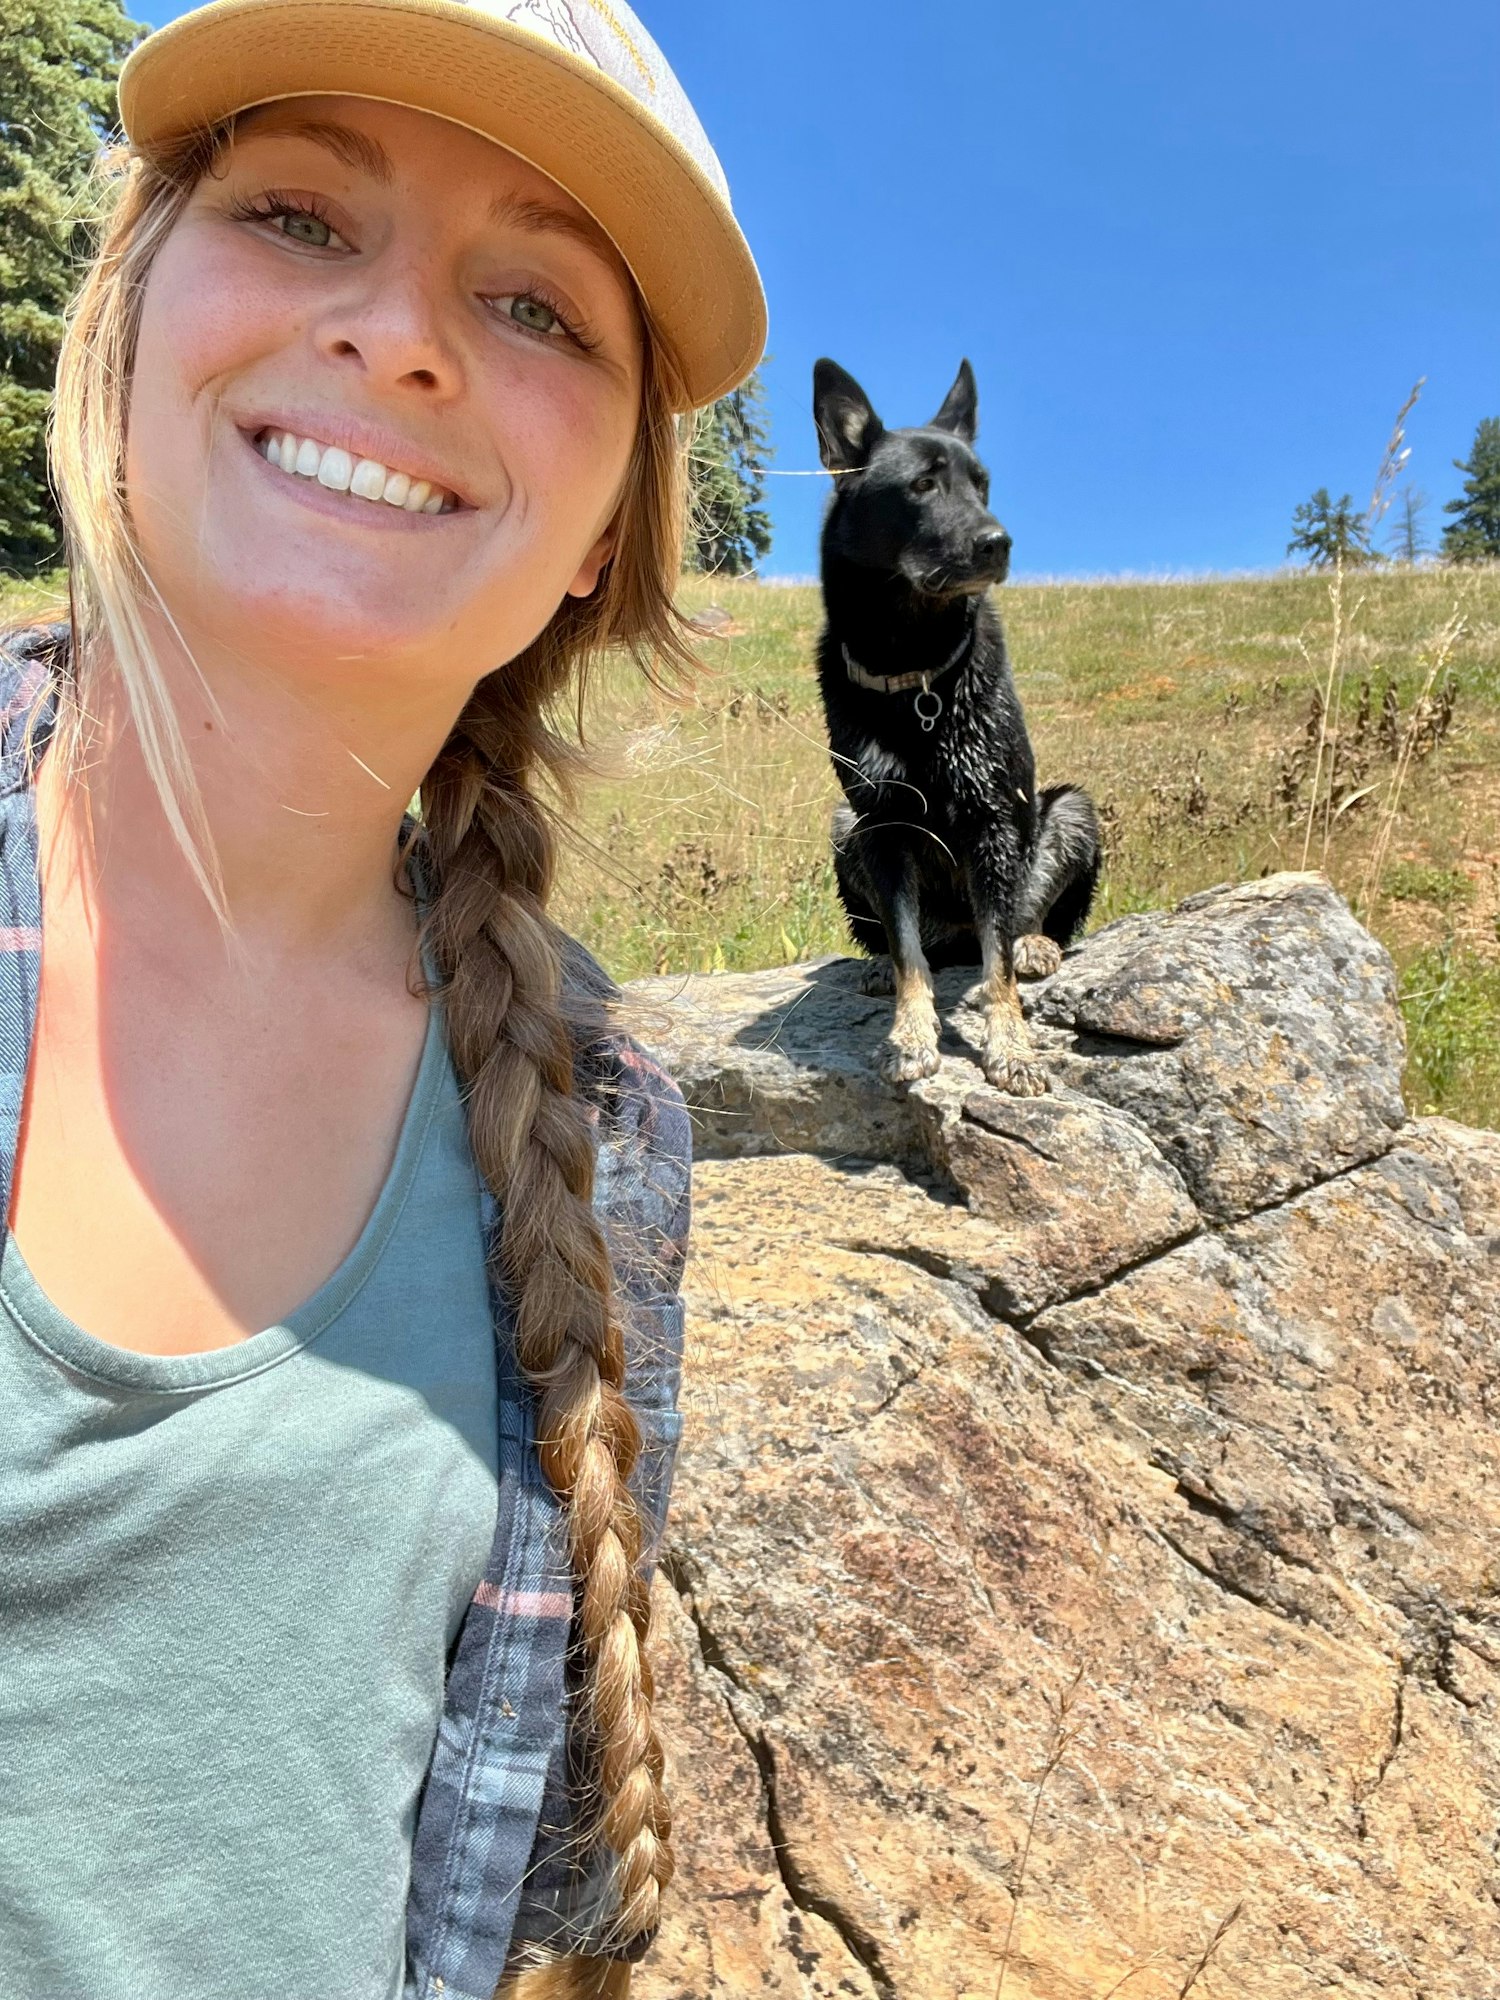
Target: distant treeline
[(1329, 532)]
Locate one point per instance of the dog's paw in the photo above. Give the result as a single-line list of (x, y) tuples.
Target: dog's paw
[(877, 980), (1017, 1076), (905, 1062), (1036, 957)]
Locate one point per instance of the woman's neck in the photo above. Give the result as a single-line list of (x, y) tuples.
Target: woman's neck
[(303, 789)]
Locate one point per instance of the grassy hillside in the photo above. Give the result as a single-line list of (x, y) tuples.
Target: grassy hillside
[(1192, 711)]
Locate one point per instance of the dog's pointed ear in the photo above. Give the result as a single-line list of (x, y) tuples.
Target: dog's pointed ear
[(848, 427), (959, 415)]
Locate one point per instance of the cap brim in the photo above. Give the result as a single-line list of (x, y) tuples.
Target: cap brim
[(667, 219)]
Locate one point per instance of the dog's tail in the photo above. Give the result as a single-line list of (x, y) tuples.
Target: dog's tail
[(1059, 891)]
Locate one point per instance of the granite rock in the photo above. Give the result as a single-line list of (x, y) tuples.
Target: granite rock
[(1085, 1532), (1253, 1033)]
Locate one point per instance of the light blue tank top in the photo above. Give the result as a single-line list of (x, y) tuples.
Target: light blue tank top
[(229, 1583)]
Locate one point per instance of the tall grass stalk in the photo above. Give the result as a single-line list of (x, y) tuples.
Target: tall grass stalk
[(1060, 1738), (1328, 721), (1392, 463), (1125, 1977), (1226, 1924), (1447, 639)]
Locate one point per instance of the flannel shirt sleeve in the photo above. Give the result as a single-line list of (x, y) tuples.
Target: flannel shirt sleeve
[(645, 1202)]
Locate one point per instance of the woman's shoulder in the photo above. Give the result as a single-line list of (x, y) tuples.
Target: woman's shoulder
[(31, 658), (643, 1171), (615, 1072)]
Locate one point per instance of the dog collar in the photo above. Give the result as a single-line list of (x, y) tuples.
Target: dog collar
[(899, 683), (902, 683)]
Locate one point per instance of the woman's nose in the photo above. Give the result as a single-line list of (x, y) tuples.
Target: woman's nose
[(391, 326)]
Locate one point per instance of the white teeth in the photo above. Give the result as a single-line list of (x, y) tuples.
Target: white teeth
[(340, 472), (335, 469)]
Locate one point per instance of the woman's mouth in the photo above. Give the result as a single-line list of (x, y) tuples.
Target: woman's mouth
[(361, 478)]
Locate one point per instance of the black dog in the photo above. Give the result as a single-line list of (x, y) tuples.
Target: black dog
[(945, 854)]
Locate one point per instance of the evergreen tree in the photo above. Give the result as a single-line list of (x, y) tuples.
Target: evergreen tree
[(1329, 531), (728, 528), (1475, 535), (1408, 541), (58, 64)]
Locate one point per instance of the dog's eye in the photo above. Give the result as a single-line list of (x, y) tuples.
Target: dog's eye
[(926, 484)]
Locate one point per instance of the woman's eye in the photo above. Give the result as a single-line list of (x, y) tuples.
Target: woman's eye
[(303, 228), (298, 225), (527, 310)]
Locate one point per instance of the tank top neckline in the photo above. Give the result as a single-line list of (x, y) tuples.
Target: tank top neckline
[(85, 1354)]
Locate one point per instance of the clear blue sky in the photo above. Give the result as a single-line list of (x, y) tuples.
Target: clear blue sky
[(1197, 250)]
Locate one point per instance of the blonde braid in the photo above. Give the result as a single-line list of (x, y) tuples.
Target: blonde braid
[(532, 1136), (570, 1979)]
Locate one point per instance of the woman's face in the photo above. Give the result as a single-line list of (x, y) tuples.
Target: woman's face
[(386, 391)]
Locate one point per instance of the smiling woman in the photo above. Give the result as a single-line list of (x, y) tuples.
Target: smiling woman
[(339, 1326), (397, 252)]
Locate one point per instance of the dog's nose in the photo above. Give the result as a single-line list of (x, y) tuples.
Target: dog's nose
[(993, 546)]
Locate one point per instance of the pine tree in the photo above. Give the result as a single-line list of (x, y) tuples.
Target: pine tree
[(728, 527), (58, 64), (1408, 541), (1329, 531), (1475, 535)]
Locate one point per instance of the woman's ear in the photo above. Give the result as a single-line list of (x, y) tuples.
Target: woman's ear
[(590, 569)]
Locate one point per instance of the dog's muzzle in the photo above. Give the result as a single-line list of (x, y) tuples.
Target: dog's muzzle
[(989, 564)]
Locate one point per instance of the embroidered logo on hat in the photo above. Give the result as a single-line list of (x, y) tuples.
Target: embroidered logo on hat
[(555, 19)]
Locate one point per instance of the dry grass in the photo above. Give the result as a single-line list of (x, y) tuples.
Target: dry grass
[(1221, 731), (1062, 1733), (1209, 719), (1060, 1740), (43, 597)]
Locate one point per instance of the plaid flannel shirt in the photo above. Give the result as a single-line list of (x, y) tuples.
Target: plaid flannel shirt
[(496, 1859)]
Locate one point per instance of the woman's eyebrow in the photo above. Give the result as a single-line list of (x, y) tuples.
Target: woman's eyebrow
[(539, 218), (351, 148), (358, 150)]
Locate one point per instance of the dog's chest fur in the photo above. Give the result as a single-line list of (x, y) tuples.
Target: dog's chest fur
[(974, 765)]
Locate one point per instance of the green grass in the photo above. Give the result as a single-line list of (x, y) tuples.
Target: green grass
[(1451, 1001), (1189, 711), (1418, 882), (39, 597)]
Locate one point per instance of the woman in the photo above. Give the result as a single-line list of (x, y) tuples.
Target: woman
[(338, 1320)]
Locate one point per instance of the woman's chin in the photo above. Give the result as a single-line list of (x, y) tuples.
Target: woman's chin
[(322, 634), (317, 607)]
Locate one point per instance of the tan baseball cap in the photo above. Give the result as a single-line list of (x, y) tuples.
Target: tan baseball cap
[(576, 87)]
